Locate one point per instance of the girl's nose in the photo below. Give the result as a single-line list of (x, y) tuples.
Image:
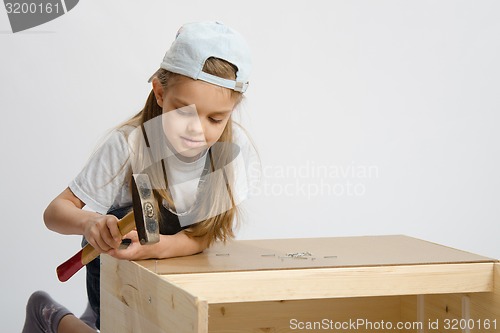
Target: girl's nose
[(194, 125)]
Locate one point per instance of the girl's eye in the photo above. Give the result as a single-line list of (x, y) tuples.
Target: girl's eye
[(215, 121)]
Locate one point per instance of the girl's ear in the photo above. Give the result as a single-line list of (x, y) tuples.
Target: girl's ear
[(158, 91)]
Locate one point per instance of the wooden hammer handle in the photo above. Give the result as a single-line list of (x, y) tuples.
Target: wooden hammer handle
[(68, 268), (125, 225)]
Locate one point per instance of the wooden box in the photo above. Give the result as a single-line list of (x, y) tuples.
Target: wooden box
[(347, 284)]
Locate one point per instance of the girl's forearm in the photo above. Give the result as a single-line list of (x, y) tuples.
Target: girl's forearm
[(65, 215), (177, 245)]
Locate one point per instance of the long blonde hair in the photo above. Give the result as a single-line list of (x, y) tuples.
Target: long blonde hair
[(212, 199)]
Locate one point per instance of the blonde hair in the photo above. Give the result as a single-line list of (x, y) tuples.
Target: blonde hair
[(214, 211)]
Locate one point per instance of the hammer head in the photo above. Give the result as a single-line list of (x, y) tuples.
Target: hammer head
[(145, 210)]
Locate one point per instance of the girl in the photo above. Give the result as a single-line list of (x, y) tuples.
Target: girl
[(184, 139)]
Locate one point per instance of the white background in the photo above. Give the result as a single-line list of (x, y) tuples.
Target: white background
[(408, 88)]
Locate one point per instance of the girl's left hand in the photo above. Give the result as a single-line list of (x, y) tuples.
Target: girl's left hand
[(134, 251)]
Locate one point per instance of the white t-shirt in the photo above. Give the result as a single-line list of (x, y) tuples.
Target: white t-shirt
[(102, 184)]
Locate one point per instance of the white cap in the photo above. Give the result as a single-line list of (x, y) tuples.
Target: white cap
[(196, 42)]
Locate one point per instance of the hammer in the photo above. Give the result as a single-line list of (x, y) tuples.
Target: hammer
[(145, 215)]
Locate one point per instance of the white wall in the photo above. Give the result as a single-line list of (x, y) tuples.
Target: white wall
[(408, 90)]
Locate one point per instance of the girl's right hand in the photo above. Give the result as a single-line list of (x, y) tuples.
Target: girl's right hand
[(102, 232)]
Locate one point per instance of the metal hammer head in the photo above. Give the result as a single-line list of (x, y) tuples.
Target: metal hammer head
[(145, 209)]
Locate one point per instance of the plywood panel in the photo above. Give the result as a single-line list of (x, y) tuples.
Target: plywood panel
[(271, 254)]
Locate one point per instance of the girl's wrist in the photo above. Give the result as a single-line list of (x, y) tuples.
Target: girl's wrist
[(83, 224), (87, 220)]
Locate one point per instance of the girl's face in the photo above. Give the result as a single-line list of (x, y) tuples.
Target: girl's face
[(195, 113)]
